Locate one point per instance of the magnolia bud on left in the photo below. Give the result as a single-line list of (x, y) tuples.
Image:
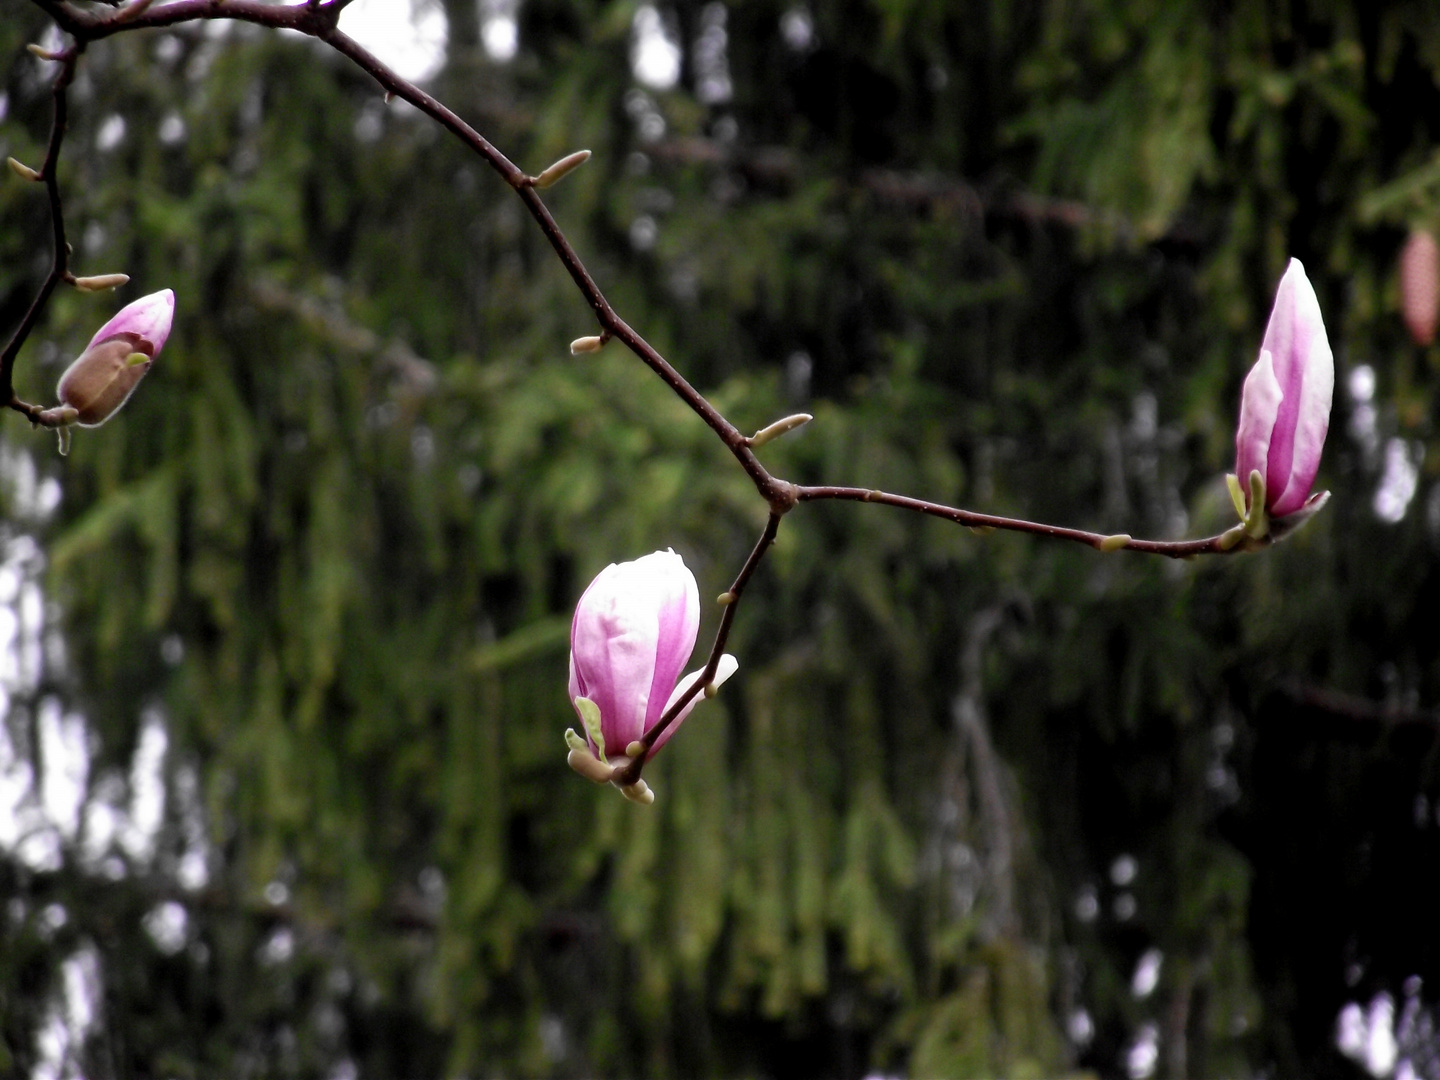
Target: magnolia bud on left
[(102, 378)]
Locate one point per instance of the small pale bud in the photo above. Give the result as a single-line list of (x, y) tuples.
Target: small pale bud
[(725, 599), (561, 169), (586, 345), (25, 172), (589, 766), (135, 10), (711, 689), (639, 792), (779, 427), (635, 749), (1115, 542), (42, 52), (100, 282)]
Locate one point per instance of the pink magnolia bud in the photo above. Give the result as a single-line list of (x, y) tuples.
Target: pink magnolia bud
[(1420, 285), (634, 629), (117, 358), (1285, 406)]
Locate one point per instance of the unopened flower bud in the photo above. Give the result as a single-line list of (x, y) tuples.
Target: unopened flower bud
[(561, 169), (779, 427), (634, 628), (103, 377), (25, 172), (100, 282), (586, 345), (1420, 286), (1284, 408)]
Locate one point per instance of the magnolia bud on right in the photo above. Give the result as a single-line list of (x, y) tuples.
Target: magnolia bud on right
[(1420, 285)]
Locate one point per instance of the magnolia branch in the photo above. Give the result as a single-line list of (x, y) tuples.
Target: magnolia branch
[(320, 20), (60, 261)]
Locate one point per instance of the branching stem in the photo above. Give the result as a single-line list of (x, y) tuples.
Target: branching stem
[(319, 19)]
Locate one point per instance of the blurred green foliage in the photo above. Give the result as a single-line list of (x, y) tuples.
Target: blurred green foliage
[(1013, 255)]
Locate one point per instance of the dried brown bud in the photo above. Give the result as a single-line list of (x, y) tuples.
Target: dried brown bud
[(1420, 285), (103, 377)]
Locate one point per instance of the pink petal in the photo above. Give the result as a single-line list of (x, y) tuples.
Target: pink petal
[(679, 621), (1259, 405), (728, 666), (1312, 419), (149, 318), (612, 640)]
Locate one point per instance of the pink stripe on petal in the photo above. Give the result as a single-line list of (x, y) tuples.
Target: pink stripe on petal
[(1312, 413), (1286, 339)]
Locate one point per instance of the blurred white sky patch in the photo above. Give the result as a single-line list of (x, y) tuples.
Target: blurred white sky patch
[(712, 63), (408, 36), (66, 759), (147, 789), (1367, 1036), (500, 28), (71, 1018), (654, 53), (1398, 483)]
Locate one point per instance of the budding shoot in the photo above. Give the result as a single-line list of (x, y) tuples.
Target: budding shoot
[(779, 427), (100, 282), (589, 344), (561, 169), (25, 172)]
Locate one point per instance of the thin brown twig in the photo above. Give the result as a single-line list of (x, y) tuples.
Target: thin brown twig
[(1174, 549), (60, 260)]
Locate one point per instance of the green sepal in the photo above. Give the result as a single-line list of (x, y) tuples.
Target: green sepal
[(1257, 523), (590, 714), (135, 359), (1237, 494)]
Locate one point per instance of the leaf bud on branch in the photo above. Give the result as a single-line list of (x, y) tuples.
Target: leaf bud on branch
[(25, 172), (561, 169), (778, 428), (99, 282)]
